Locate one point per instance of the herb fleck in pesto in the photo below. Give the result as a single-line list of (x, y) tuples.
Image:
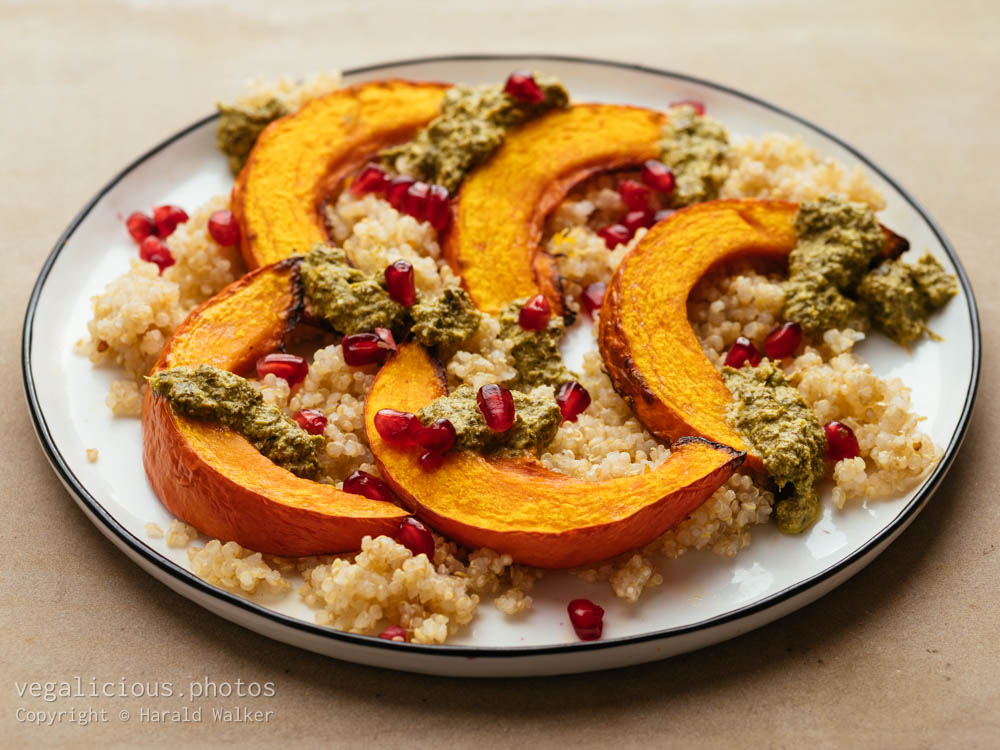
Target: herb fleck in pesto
[(535, 425), (784, 431), (239, 126), (473, 123), (215, 395), (444, 321), (535, 354), (695, 148)]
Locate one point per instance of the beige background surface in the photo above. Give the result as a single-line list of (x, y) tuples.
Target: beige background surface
[(906, 654)]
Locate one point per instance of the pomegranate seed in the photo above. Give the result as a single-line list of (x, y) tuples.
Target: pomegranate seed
[(535, 314), (139, 226), (697, 106), (399, 283), (167, 218), (615, 235), (522, 86), (312, 421), (371, 179), (387, 339), (572, 399), (635, 220), (396, 427), (364, 484), (155, 250), (635, 195), (396, 192), (497, 407), (438, 207), (292, 368), (741, 352), (415, 200), (393, 633), (416, 537), (587, 619), (593, 297), (663, 213), (362, 349), (841, 442), (437, 437), (783, 341), (224, 228), (430, 460), (658, 176)]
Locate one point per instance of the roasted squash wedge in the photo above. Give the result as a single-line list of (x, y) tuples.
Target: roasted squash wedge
[(501, 208), (516, 505), (209, 475), (300, 160)]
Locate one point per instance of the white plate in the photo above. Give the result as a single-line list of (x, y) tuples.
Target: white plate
[(705, 598)]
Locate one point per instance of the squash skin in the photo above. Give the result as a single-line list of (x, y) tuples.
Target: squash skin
[(516, 505), (302, 159), (211, 476), (649, 348), (500, 213)]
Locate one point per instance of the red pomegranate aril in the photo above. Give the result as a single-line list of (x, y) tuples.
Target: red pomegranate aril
[(497, 407), (593, 297), (615, 235), (362, 349), (742, 352), (167, 218), (364, 484), (587, 619), (635, 220), (371, 179), (436, 437), (658, 176), (393, 633), (697, 106), (310, 420), (224, 228), (396, 192), (783, 341), (438, 207), (535, 314), (841, 442), (155, 250), (416, 537), (396, 427), (430, 460), (663, 213), (573, 399), (415, 200), (387, 339), (292, 368), (522, 85), (399, 283), (634, 194), (139, 226)]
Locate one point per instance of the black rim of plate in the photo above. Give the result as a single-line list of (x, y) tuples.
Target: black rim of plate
[(186, 577)]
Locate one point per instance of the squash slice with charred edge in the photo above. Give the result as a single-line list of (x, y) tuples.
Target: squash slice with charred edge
[(302, 159), (211, 476), (499, 216), (516, 505)]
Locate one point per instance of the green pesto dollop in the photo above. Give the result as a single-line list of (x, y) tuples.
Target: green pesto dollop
[(473, 123), (784, 431), (239, 126), (350, 300), (837, 242), (535, 354), (900, 297), (215, 395), (446, 320), (535, 425), (696, 149)]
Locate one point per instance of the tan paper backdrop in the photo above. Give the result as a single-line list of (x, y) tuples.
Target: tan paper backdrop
[(904, 655)]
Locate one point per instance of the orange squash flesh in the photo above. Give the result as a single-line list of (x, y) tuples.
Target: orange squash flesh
[(210, 476), (520, 507), (300, 160), (649, 348), (499, 217)]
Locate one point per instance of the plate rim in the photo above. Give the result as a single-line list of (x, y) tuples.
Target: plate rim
[(188, 578)]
